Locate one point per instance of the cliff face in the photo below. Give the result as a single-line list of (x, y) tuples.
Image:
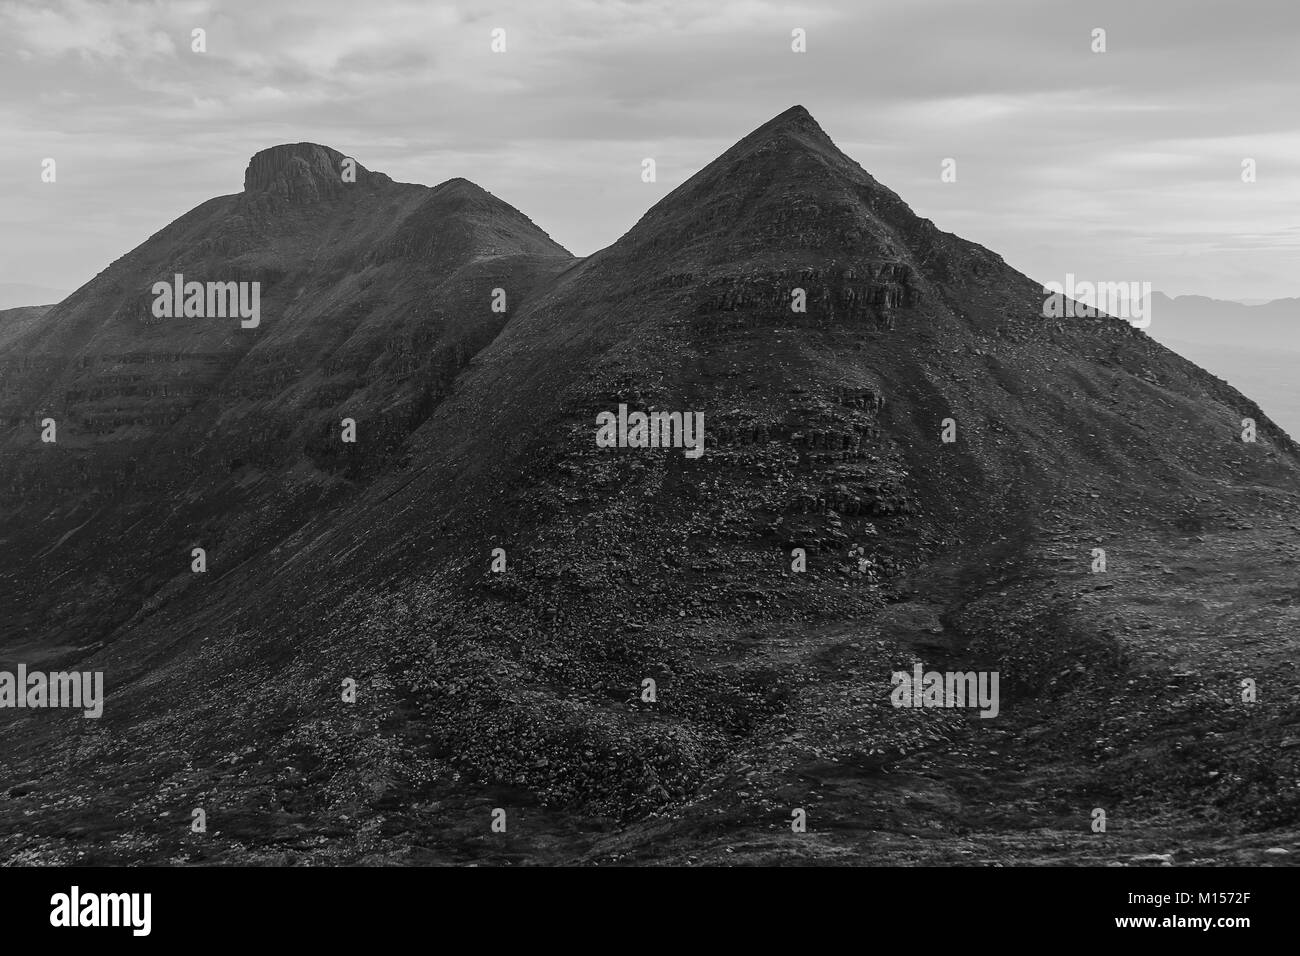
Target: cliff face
[(306, 172), (828, 336)]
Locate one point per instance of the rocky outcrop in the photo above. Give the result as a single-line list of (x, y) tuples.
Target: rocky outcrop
[(303, 172), (865, 291)]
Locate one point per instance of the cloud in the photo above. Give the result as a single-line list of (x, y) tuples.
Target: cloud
[(1065, 157), (93, 31)]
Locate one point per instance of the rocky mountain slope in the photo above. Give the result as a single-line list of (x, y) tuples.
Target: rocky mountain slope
[(525, 688), (373, 296), (14, 322)]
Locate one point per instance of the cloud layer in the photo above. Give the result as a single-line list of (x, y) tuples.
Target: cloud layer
[(1123, 165)]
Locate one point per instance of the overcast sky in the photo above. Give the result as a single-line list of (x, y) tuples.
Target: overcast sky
[(1123, 165)]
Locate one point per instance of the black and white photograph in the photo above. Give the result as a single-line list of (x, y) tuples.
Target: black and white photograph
[(643, 435)]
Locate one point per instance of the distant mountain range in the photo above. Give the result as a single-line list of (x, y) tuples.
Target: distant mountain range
[(1255, 347), (15, 295), (1195, 318), (905, 465)]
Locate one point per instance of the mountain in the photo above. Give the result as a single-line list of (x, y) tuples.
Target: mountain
[(1251, 346), (373, 295), (14, 322), (16, 295), (525, 687), (1197, 318)]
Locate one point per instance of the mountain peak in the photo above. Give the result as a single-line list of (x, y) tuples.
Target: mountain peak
[(459, 221), (783, 186), (795, 125), (300, 171), (459, 182), (459, 187), (795, 116)]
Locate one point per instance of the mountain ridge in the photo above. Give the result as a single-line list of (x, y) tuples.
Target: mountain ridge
[(373, 562)]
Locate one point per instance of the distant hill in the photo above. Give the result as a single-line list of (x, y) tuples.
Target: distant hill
[(1195, 318), (1253, 347), (18, 294)]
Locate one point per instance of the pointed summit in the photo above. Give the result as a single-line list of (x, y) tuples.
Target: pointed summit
[(794, 130), (796, 111), (795, 116), (785, 190), (794, 122)]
